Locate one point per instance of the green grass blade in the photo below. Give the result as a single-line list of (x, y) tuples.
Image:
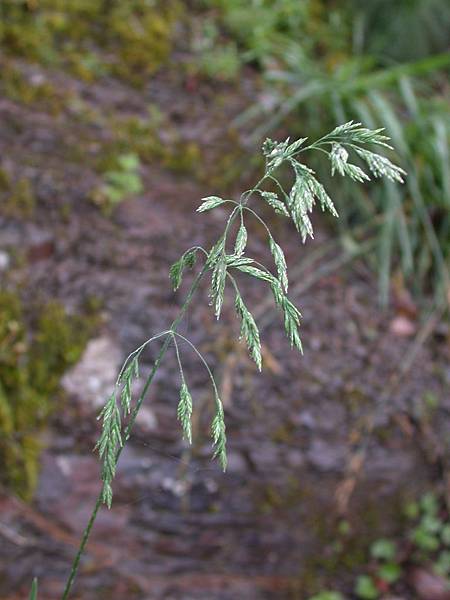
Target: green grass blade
[(443, 155), (386, 113), (34, 590), (386, 243), (408, 95)]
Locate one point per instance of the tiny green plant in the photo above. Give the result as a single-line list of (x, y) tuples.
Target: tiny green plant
[(365, 588), (328, 596), (384, 553), (121, 182), (225, 262), (431, 534), (425, 543)]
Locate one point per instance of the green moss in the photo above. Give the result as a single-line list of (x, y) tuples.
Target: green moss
[(121, 182), (227, 166), (5, 180), (183, 157), (18, 87), (141, 137), (19, 200), (355, 398), (143, 39), (132, 134), (33, 356), (284, 433), (92, 37)]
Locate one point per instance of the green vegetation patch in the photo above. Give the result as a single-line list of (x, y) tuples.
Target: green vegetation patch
[(17, 200), (34, 353), (91, 37)]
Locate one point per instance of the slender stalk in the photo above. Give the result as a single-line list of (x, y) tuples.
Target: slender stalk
[(201, 357), (131, 422)]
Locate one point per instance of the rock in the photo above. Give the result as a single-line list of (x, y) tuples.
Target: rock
[(402, 326), (305, 418), (40, 244), (93, 378), (429, 586), (4, 261), (236, 463), (266, 456), (326, 456), (295, 458), (146, 420)]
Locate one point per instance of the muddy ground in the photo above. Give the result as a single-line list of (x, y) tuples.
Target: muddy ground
[(181, 529)]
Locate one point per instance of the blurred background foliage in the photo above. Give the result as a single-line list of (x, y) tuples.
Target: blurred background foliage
[(322, 61), (384, 63)]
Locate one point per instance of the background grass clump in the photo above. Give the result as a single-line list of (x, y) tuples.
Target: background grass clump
[(324, 62), (34, 353)]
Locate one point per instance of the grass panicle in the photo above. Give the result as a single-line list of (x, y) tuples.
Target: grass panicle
[(223, 265)]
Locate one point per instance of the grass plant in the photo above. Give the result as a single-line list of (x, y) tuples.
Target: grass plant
[(225, 263)]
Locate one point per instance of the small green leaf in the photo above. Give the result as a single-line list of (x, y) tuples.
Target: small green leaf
[(431, 524), (383, 549), (129, 162), (429, 504), (210, 202), (431, 401), (412, 510), (390, 572), (365, 588), (424, 540), (328, 596)]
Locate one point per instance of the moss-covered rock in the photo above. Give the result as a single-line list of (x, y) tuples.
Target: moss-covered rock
[(91, 37), (19, 200), (34, 353), (17, 86)]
